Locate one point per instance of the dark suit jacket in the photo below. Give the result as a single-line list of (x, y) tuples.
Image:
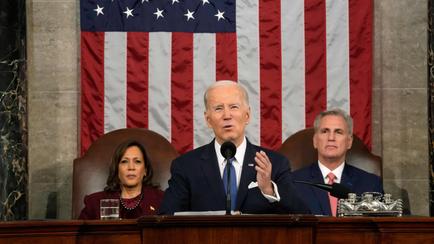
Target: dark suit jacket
[(149, 204), (196, 184), (357, 180)]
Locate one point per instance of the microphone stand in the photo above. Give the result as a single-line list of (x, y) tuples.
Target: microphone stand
[(228, 150), (228, 187)]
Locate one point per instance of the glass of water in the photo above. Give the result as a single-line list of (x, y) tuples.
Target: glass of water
[(109, 209)]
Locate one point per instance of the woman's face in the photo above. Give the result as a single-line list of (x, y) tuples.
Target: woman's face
[(131, 168)]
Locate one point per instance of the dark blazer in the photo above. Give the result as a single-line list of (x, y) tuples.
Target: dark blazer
[(149, 204), (196, 184), (357, 180)]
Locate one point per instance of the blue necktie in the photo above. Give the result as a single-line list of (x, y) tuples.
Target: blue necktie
[(233, 182)]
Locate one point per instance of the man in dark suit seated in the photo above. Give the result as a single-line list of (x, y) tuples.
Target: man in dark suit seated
[(333, 137), (263, 180)]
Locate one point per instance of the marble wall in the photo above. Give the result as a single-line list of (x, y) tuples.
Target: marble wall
[(399, 102), (53, 93), (430, 60), (13, 121), (400, 99)]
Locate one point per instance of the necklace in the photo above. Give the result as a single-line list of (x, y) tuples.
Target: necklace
[(135, 205)]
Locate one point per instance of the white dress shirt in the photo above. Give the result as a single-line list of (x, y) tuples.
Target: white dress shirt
[(337, 172)]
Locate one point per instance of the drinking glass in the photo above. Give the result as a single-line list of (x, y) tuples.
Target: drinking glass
[(109, 209)]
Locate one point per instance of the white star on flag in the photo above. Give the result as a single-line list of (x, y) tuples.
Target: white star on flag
[(175, 1), (159, 13), (129, 12), (98, 10), (204, 1), (189, 15), (219, 15)]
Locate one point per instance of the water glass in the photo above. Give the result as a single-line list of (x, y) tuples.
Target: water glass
[(109, 209)]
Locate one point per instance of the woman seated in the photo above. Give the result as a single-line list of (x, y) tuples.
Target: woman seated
[(129, 181)]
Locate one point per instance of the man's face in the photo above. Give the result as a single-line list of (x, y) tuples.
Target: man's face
[(227, 113), (332, 140)]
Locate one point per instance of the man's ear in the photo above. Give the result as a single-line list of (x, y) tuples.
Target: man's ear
[(350, 142), (314, 140), (248, 115)]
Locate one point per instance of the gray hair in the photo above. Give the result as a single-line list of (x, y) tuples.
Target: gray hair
[(335, 112), (226, 83)]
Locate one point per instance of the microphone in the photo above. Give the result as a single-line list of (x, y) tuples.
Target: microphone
[(228, 150), (337, 190)]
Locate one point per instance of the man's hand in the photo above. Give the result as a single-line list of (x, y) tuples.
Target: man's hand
[(263, 175)]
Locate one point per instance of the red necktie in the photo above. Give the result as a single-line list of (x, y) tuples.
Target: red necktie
[(333, 200)]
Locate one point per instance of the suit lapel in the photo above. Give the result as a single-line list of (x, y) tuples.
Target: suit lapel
[(321, 195), (211, 170), (348, 177), (248, 174)]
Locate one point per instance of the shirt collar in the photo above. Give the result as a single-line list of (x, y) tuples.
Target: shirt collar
[(337, 172), (239, 155)]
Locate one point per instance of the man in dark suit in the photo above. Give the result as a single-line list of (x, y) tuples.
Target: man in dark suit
[(333, 138), (263, 180)]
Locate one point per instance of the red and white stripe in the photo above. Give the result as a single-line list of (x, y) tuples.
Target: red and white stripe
[(295, 57)]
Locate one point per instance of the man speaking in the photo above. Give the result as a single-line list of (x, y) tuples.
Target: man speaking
[(258, 180)]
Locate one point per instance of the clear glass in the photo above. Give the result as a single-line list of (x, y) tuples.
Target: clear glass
[(109, 209)]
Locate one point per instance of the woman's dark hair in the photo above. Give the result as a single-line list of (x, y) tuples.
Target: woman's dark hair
[(113, 182)]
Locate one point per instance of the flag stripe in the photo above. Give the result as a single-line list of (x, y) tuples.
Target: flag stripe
[(360, 54), (338, 90), (270, 73), (204, 73), (226, 56), (92, 88), (160, 56), (248, 61), (137, 79), (315, 58), (115, 90), (293, 63), (182, 91)]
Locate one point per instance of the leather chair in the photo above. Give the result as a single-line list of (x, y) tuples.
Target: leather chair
[(299, 150), (90, 171)]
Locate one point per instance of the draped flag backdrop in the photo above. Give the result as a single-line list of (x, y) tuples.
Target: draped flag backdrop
[(146, 63)]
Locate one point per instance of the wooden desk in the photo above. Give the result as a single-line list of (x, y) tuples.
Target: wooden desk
[(69, 232), (223, 229), (229, 229), (404, 230)]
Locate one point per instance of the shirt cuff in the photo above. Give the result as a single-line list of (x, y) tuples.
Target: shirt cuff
[(276, 197)]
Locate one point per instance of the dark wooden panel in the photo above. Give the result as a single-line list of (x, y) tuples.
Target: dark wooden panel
[(223, 229), (375, 230), (406, 230), (346, 230), (229, 229)]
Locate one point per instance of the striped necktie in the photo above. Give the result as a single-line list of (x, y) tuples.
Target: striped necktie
[(333, 200)]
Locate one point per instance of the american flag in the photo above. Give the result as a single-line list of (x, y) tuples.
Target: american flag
[(146, 64)]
